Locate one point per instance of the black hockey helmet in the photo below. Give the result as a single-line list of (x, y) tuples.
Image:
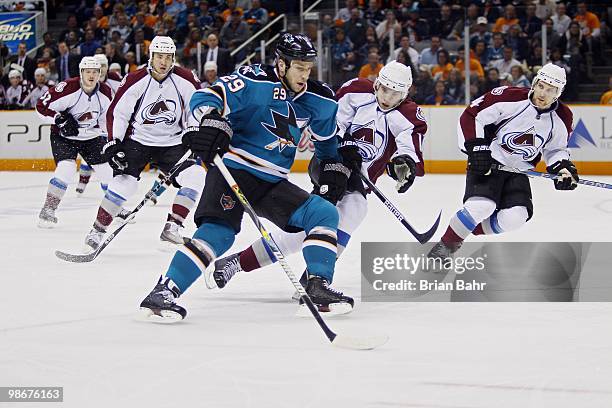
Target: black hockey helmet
[(295, 47)]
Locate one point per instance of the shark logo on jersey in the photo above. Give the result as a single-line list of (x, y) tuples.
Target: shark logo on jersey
[(160, 111), (368, 139), (526, 144), (253, 69), (285, 128)]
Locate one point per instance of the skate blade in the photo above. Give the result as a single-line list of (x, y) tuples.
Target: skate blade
[(334, 309), (209, 280), (44, 224), (359, 343), (163, 316)]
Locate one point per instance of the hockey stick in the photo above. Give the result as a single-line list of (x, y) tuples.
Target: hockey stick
[(335, 339), (532, 173), (80, 258), (422, 238)]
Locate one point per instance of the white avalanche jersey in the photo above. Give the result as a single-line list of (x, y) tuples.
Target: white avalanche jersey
[(150, 112), (37, 92), (113, 80), (88, 110), (519, 134), (380, 135)]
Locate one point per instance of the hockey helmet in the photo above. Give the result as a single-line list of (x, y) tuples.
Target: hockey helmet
[(396, 77), (101, 58), (552, 75), (162, 44), (89, 63), (295, 47)]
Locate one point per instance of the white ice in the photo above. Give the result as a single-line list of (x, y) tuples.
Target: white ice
[(73, 325)]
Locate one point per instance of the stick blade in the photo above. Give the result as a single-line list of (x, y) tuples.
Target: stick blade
[(359, 343), (425, 237), (76, 258)]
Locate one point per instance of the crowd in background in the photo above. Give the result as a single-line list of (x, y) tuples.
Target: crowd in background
[(505, 43)]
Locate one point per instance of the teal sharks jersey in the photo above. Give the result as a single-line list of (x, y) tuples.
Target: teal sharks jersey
[(268, 121)]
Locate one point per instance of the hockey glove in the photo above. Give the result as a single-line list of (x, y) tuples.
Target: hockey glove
[(402, 169), (113, 152), (479, 157), (212, 137), (67, 124), (567, 175), (333, 180), (349, 150)]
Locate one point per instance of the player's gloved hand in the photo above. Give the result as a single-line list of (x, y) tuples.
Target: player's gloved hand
[(333, 180), (567, 175), (349, 150), (402, 169), (212, 137), (113, 152), (67, 124), (479, 157)]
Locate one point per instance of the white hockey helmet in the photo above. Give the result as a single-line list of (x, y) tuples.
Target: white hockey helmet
[(552, 75), (162, 44), (397, 79), (89, 62), (101, 58)]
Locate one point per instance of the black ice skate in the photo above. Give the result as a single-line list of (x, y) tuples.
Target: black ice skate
[(225, 269), (329, 301), (159, 305), (443, 251), (303, 282)]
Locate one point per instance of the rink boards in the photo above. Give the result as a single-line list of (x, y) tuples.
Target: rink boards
[(24, 141)]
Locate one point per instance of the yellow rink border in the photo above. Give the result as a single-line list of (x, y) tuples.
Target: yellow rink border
[(301, 166)]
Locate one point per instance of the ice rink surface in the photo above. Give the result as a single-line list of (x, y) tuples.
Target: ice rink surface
[(73, 325)]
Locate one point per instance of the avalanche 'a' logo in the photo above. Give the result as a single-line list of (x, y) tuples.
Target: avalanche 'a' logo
[(526, 144), (285, 128), (160, 111), (368, 139), (86, 116)]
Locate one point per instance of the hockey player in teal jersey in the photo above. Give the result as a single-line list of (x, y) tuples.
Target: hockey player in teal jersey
[(255, 118)]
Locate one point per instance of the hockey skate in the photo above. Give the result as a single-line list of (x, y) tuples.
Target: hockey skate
[(47, 218), (303, 282), (124, 216), (159, 305), (171, 235), (225, 269), (439, 254), (330, 302), (93, 240)]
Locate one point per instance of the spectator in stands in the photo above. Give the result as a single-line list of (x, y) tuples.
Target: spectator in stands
[(89, 46), (372, 68), (45, 61), (174, 7), (534, 59), (218, 55), (210, 74), (429, 55), (519, 42), (416, 26), (473, 13), (234, 33), (573, 42), (48, 42), (440, 96), (355, 28), (374, 14), (455, 87), (4, 53), (72, 24), (344, 14), (423, 83), (190, 8), (606, 98), (475, 66), (474, 91), (505, 64), (496, 51), (552, 37), (98, 13), (256, 16), (140, 47), (447, 26), (591, 29), (139, 23), (371, 42), (442, 69), (185, 30), (27, 63), (404, 58), (40, 88), (405, 47), (505, 79), (66, 64), (388, 26), (205, 19), (557, 58), (167, 27), (482, 33), (480, 52), (130, 62), (190, 49), (2, 94), (531, 23), (502, 25), (122, 27), (230, 10), (491, 11), (100, 34), (17, 93), (545, 8), (344, 59), (492, 80), (561, 20), (429, 10), (114, 55), (518, 77), (72, 41), (329, 29)]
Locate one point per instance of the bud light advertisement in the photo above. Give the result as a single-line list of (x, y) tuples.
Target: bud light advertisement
[(16, 28)]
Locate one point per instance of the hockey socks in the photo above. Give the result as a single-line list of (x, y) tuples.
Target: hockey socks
[(319, 250), (110, 207), (183, 203), (192, 259), (55, 192), (85, 172)]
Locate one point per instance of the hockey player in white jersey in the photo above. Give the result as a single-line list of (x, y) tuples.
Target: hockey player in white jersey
[(145, 122), (514, 127), (112, 79), (387, 128), (77, 109)]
